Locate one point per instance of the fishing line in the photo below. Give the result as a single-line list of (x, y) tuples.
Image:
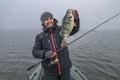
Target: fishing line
[(94, 28), (77, 39)]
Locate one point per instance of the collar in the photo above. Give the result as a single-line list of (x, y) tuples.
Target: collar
[(48, 29)]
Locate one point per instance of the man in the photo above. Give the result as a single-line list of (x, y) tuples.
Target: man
[(57, 66)]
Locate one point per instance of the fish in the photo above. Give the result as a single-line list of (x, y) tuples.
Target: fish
[(67, 26)]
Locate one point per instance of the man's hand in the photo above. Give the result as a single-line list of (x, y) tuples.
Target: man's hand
[(50, 54)]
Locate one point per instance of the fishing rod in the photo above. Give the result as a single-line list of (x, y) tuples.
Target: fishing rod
[(76, 39)]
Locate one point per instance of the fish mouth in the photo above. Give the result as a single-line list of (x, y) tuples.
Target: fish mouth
[(70, 17)]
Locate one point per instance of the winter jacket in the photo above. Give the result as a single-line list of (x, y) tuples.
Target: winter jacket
[(43, 43)]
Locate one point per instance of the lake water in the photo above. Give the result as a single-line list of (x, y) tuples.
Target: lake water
[(96, 55)]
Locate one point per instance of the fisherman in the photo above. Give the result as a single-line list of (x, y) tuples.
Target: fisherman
[(57, 66)]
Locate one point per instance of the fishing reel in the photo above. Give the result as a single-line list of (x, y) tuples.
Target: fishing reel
[(53, 61)]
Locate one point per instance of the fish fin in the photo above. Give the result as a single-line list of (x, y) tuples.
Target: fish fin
[(74, 24)]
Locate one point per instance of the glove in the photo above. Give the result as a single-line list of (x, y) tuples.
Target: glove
[(50, 54), (75, 13), (76, 16)]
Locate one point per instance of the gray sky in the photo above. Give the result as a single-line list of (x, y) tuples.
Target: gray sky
[(24, 14)]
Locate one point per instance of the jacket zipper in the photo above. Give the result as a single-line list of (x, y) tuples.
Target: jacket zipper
[(54, 47)]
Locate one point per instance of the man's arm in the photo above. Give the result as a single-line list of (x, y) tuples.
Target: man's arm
[(38, 51)]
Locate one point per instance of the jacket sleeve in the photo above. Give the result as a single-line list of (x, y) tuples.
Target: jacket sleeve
[(75, 29), (38, 51)]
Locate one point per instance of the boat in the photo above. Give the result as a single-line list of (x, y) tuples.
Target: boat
[(75, 74)]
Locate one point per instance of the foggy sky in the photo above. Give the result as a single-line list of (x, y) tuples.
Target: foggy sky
[(25, 14)]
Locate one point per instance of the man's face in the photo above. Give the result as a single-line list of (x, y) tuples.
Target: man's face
[(48, 22)]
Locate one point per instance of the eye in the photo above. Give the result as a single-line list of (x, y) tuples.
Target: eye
[(50, 18), (46, 19)]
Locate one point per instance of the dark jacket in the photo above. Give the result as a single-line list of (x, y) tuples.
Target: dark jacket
[(43, 44)]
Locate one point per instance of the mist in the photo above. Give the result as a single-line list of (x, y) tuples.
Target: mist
[(25, 14)]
